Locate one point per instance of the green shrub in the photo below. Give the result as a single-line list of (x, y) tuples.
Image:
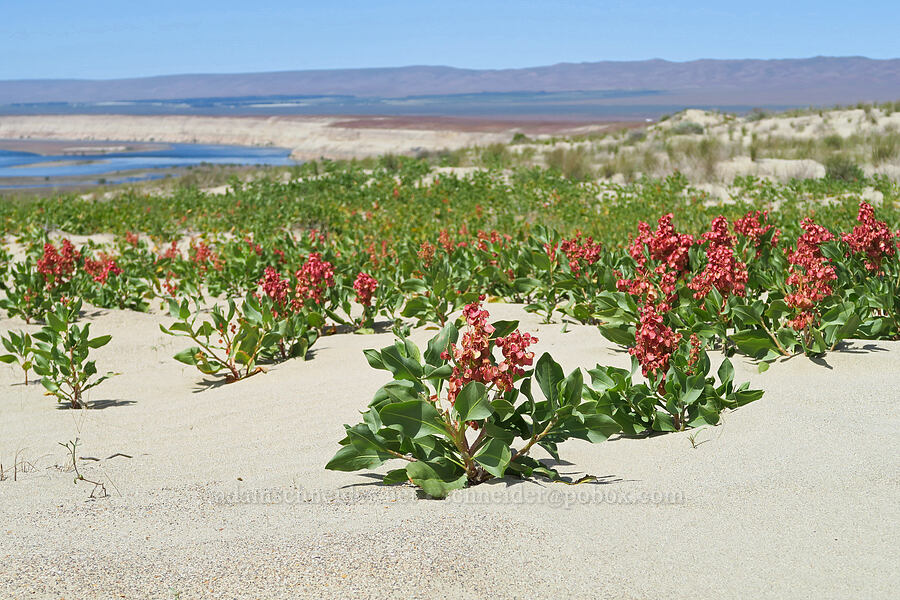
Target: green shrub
[(688, 128), (842, 168)]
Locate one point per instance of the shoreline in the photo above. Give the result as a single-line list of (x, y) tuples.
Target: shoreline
[(308, 138)]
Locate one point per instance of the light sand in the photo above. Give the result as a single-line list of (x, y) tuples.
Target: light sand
[(307, 137), (796, 495)]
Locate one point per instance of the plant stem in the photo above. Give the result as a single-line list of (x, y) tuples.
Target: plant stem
[(534, 439)]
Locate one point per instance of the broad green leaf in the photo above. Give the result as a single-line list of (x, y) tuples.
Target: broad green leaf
[(472, 402), (549, 375), (99, 341), (753, 342), (571, 391), (726, 372), (437, 483), (373, 357), (351, 458), (395, 477), (440, 343), (415, 418), (494, 456), (188, 356)]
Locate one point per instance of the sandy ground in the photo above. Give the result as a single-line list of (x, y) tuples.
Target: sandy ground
[(307, 137), (225, 496)]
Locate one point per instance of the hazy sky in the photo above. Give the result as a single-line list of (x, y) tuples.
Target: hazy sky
[(122, 38)]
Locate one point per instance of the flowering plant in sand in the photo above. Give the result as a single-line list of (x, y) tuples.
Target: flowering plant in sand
[(237, 338), (467, 413), (36, 283), (365, 287)]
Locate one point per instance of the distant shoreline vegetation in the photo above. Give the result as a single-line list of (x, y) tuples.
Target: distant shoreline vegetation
[(576, 104)]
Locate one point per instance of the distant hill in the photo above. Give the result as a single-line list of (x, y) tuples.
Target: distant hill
[(810, 81)]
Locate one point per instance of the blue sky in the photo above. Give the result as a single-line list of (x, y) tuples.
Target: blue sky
[(123, 38)]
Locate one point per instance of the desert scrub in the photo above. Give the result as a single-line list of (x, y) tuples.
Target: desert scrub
[(455, 418), (61, 353)]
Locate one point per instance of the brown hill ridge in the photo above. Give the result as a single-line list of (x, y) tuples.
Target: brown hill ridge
[(818, 80)]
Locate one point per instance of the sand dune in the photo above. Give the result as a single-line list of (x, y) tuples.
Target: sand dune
[(307, 137), (223, 492)]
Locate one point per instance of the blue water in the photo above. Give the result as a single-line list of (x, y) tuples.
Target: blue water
[(14, 165)]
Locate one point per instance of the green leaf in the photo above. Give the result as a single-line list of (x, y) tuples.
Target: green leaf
[(439, 343), (549, 375), (413, 285), (753, 342), (503, 328), (435, 482), (746, 396), (402, 367), (596, 428), (621, 335), (494, 456), (99, 341), (726, 372), (847, 329), (373, 357), (472, 402), (572, 389), (351, 458), (415, 418), (188, 356), (395, 477)]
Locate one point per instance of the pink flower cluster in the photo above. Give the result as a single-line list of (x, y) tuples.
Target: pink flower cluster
[(365, 286), (809, 273), (426, 253), (722, 271), (276, 288), (754, 226), (473, 358), (204, 256), (664, 245), (314, 278), (871, 237), (670, 251), (654, 342), (494, 237), (101, 269), (580, 252), (58, 266)]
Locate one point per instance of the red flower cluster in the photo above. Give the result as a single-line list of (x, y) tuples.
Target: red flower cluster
[(809, 273), (58, 266), (473, 358), (257, 249), (723, 271), (754, 226), (276, 288), (655, 342), (580, 252), (377, 257), (669, 249), (204, 256), (871, 237), (131, 238), (665, 245), (314, 278), (172, 251), (494, 237), (101, 269), (365, 286), (426, 254)]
